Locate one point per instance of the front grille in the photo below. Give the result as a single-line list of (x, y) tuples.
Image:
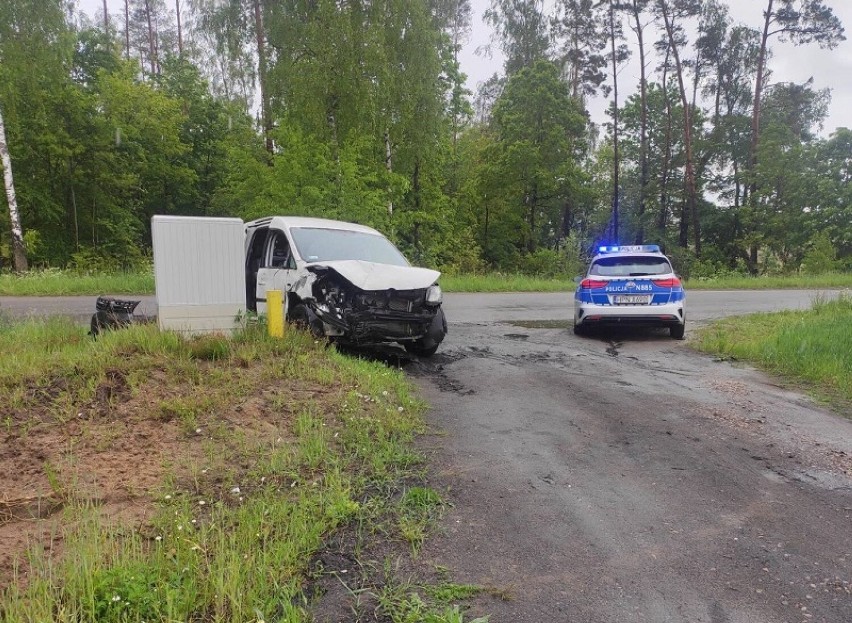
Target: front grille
[(397, 304), (393, 300)]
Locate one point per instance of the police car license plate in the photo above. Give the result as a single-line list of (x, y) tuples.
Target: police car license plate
[(631, 299)]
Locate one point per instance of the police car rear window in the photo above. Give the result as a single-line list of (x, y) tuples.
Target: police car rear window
[(628, 266)]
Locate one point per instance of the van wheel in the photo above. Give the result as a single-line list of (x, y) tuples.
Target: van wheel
[(303, 318), (677, 331), (428, 345)]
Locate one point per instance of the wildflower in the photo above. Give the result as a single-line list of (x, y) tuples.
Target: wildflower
[(201, 502), (400, 409), (116, 598), (158, 538), (168, 497)]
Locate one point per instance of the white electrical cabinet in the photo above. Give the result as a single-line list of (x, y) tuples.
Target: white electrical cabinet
[(199, 273)]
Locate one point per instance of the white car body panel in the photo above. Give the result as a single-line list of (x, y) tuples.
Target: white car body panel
[(372, 276)]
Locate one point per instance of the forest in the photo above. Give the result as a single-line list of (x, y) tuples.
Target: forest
[(358, 110)]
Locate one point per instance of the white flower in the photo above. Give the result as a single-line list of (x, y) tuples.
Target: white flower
[(116, 598), (168, 497), (158, 538), (201, 502), (400, 409), (235, 490)]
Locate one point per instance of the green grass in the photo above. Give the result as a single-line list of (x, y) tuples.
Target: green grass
[(810, 347), (499, 282), (795, 282), (233, 541), (55, 282)]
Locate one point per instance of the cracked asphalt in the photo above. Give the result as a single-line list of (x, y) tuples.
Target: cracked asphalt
[(625, 477)]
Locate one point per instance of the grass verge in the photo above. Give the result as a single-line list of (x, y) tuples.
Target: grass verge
[(812, 347), (829, 281), (157, 478), (55, 282), (66, 283)]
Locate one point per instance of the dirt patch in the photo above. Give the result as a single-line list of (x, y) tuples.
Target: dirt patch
[(120, 447)]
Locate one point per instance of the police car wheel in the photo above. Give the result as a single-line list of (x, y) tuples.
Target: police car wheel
[(677, 331), (579, 329)]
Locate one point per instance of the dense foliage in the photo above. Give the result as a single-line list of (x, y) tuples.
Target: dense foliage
[(358, 110)]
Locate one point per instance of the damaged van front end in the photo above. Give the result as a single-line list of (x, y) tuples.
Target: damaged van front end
[(365, 303)]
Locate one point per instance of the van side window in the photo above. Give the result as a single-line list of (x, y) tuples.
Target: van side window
[(280, 255)]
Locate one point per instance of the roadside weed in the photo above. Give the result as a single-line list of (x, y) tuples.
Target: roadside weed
[(253, 452)]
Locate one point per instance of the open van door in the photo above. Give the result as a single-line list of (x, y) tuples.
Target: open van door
[(270, 265)]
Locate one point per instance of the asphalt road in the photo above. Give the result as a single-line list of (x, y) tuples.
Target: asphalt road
[(466, 308), (624, 477)]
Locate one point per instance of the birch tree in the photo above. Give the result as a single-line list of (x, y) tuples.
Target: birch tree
[(19, 251)]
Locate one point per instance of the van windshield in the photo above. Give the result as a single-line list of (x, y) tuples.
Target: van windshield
[(630, 266), (326, 245)]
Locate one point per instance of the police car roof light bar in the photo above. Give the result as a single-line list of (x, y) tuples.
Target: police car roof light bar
[(636, 248)]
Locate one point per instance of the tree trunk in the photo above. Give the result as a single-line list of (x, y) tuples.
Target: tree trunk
[(127, 29), (533, 198), (19, 251), (758, 93), (106, 18), (389, 165), (152, 51), (265, 111), (643, 124), (662, 220), (691, 208), (179, 30), (615, 166)]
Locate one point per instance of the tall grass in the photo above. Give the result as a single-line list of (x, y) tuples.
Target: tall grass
[(814, 347), (793, 282), (235, 544), (55, 282)]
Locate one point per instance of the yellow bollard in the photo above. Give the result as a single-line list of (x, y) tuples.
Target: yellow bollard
[(275, 312)]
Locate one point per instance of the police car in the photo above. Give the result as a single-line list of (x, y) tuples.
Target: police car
[(630, 285)]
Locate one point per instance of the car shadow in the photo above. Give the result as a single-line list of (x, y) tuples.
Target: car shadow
[(633, 334)]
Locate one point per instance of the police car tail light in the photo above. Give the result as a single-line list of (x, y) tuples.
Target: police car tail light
[(672, 282), (592, 284)]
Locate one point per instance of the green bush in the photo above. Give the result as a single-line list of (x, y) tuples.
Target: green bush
[(821, 257)]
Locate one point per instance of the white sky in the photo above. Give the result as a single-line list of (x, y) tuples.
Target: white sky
[(829, 68)]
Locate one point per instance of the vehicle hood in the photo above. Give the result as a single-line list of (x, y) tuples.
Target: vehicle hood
[(371, 276)]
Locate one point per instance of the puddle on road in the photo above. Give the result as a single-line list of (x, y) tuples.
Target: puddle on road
[(541, 324)]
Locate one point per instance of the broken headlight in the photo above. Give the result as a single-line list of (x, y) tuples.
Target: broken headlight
[(434, 296)]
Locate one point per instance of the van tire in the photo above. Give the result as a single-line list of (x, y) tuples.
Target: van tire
[(428, 345), (303, 318)]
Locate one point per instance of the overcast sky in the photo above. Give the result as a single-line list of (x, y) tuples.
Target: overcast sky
[(829, 68)]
